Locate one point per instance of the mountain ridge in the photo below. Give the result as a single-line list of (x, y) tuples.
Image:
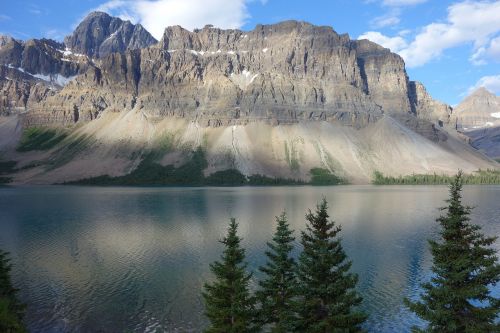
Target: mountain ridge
[(215, 88)]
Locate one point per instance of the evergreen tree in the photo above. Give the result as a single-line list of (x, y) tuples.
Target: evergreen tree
[(11, 310), (327, 295), (228, 303), (457, 298), (279, 287)]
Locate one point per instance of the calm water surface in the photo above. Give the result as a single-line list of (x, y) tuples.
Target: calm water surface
[(90, 259)]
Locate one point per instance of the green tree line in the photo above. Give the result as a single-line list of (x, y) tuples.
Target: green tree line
[(480, 177)]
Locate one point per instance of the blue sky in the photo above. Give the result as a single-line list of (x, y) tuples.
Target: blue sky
[(450, 46)]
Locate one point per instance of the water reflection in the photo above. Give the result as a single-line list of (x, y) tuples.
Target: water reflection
[(117, 259)]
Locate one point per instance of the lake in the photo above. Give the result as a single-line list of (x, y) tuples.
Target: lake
[(134, 259)]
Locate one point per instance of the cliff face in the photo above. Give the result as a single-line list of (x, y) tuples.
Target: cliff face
[(279, 73), (256, 100)]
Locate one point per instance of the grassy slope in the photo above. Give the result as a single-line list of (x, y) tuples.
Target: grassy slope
[(37, 138), (191, 173)]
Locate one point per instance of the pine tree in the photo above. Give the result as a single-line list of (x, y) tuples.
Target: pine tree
[(228, 303), (11, 310), (327, 295), (279, 286), (457, 298)]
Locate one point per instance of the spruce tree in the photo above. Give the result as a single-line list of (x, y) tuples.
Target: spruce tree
[(228, 303), (457, 298), (11, 310), (278, 289), (328, 300)]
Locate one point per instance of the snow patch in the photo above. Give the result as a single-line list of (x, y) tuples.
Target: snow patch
[(265, 50), (55, 79), (244, 79), (58, 79), (495, 115), (231, 52), (67, 52)]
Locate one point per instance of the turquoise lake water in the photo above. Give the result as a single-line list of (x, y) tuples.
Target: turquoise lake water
[(93, 259)]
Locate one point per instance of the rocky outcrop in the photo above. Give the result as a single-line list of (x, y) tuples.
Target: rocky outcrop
[(100, 34), (282, 73), (425, 107), (44, 64), (278, 100)]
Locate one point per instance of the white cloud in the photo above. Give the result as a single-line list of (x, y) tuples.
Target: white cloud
[(389, 19), (485, 53), (468, 22), (396, 44), (492, 83), (156, 15), (4, 18)]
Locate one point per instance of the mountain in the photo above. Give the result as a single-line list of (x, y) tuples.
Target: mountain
[(478, 117), (280, 100), (100, 34)]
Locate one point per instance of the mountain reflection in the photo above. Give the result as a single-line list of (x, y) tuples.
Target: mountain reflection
[(116, 259)]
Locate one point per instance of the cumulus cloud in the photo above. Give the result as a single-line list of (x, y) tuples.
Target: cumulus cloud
[(395, 44), (155, 15), (469, 22), (488, 52), (387, 20), (492, 83)]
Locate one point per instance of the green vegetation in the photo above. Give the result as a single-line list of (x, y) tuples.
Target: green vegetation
[(327, 294), (478, 177), (229, 177), (316, 295), (457, 298), (261, 180), (321, 176), (11, 310), (278, 289), (72, 147), (228, 304), (38, 138), (149, 172)]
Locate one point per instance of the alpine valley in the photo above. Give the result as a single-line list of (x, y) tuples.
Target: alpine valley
[(289, 101)]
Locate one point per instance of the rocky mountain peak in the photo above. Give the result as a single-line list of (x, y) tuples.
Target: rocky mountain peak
[(5, 39), (100, 34), (480, 101)]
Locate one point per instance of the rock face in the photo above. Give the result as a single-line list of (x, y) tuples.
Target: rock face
[(480, 109), (243, 95), (100, 34), (425, 107), (281, 73), (478, 117), (28, 70)]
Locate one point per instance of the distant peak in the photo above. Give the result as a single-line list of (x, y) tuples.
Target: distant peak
[(482, 91), (97, 14)]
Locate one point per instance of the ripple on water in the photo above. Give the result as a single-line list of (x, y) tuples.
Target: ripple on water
[(135, 259)]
